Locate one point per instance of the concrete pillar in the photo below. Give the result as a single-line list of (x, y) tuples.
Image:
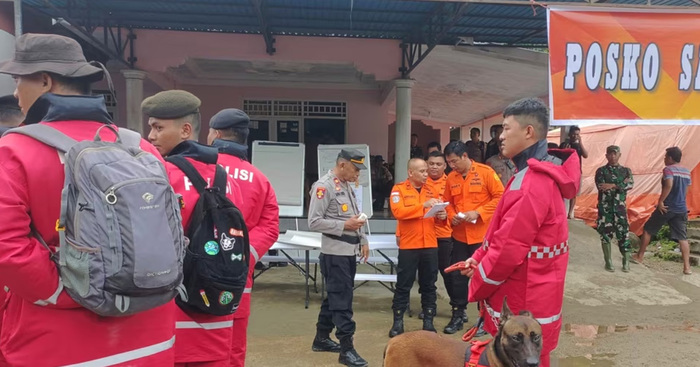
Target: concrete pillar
[(403, 128), (134, 97)]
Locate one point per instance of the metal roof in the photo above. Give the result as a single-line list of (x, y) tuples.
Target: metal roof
[(503, 22)]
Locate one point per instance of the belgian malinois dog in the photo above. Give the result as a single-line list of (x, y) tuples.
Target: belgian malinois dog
[(518, 343)]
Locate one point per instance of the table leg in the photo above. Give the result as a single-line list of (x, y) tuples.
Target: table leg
[(306, 276)]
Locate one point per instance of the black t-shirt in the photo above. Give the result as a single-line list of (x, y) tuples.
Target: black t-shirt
[(576, 146)]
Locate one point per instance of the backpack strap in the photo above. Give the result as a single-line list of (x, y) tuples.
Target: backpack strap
[(220, 178), (47, 135), (188, 169), (130, 138)]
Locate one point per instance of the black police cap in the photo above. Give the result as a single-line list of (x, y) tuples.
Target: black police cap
[(229, 118)]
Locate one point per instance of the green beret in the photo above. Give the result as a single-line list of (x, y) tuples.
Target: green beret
[(171, 104)]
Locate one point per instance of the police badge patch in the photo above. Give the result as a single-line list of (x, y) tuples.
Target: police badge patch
[(320, 192)]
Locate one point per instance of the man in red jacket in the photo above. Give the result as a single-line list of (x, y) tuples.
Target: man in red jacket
[(43, 326), (202, 339), (228, 132), (525, 251)]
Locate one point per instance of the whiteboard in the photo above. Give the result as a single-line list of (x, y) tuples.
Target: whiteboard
[(328, 154), (283, 164), (7, 51)]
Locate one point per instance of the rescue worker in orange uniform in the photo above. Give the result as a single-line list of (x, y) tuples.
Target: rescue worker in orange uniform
[(437, 181), (410, 201), (473, 191)]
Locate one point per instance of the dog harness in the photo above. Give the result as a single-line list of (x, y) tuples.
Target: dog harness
[(475, 356)]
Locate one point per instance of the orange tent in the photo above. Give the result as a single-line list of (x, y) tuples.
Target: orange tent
[(643, 149)]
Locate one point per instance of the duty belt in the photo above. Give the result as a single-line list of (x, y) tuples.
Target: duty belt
[(353, 240)]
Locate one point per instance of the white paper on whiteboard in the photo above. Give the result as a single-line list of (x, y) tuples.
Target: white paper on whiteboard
[(358, 195), (436, 208)]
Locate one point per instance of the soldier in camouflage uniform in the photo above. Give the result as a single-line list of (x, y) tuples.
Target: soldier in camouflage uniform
[(613, 181)]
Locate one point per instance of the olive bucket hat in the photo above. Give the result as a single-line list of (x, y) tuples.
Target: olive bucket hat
[(50, 53)]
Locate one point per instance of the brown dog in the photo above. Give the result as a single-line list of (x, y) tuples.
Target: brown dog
[(518, 343)]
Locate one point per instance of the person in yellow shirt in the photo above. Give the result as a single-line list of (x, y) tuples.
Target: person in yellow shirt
[(410, 201), (473, 191)]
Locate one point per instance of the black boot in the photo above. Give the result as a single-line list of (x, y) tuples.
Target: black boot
[(428, 316), (324, 343), (397, 328), (459, 317), (348, 354)]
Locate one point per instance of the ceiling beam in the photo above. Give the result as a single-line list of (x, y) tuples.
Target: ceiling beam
[(438, 24), (264, 28)]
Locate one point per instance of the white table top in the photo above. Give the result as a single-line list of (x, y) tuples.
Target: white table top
[(382, 242), (300, 240)]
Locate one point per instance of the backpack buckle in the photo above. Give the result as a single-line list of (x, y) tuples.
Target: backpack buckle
[(59, 227)]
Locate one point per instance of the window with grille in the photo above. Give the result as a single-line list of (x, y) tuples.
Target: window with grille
[(260, 108), (325, 109), (257, 108)]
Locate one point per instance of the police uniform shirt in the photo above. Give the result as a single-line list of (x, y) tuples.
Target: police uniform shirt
[(332, 203)]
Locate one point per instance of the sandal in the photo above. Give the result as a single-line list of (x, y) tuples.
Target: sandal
[(689, 272)]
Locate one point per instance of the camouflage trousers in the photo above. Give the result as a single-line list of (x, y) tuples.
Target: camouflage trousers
[(612, 224)]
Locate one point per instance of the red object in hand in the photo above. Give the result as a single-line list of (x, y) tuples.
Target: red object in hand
[(462, 265)]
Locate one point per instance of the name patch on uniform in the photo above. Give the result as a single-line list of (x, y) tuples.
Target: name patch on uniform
[(320, 192)]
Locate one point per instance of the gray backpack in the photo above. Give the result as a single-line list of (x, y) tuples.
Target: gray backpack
[(120, 228)]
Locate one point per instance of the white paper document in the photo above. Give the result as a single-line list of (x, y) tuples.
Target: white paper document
[(436, 208)]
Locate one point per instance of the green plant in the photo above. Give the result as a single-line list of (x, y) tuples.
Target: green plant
[(663, 234), (665, 246)]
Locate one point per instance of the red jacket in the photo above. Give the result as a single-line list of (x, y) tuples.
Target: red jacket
[(64, 333), (200, 337), (261, 212), (525, 252)]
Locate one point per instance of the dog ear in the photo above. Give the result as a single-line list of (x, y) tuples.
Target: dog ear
[(525, 313), (506, 313)]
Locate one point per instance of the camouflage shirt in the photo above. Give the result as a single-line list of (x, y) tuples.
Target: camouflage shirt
[(618, 175)]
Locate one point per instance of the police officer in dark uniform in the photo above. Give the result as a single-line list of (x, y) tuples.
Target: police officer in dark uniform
[(333, 211)]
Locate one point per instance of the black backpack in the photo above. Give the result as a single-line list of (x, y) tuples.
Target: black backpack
[(216, 262)]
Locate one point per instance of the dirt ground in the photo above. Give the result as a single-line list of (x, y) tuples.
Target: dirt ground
[(648, 317)]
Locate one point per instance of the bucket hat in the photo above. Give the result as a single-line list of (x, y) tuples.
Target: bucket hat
[(52, 53)]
